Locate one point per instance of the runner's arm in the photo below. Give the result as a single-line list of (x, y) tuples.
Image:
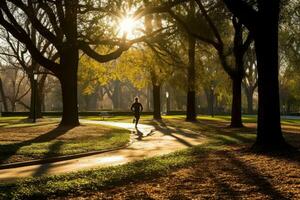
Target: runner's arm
[(141, 107), (131, 108)]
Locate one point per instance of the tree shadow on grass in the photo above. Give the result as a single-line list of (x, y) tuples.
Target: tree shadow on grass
[(221, 133), (226, 136), (214, 175), (228, 176), (163, 128), (53, 150), (251, 176), (225, 176), (8, 150)]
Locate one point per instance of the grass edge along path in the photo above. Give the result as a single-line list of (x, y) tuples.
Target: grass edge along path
[(77, 183), (95, 179), (115, 138)]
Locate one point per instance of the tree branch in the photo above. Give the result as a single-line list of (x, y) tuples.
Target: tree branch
[(190, 32), (22, 36), (30, 12), (211, 23), (243, 12), (101, 58), (158, 9)]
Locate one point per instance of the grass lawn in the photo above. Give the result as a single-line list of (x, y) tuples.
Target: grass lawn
[(21, 140), (220, 168)]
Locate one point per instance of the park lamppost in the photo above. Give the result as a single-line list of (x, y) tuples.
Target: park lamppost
[(168, 102), (34, 93)]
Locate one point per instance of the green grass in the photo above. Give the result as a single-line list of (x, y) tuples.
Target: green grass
[(93, 180), (45, 140), (101, 178), (115, 138), (15, 122), (96, 179)]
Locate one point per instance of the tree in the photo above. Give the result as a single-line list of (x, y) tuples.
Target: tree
[(191, 112), (250, 81), (215, 35), (3, 95), (158, 55), (262, 19), (215, 80), (73, 26), (237, 75), (111, 79), (17, 55), (16, 88), (189, 59)]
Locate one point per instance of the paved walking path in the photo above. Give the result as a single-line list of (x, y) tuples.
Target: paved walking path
[(148, 141)]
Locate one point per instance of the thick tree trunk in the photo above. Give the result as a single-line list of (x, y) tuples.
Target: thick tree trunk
[(3, 97), (191, 114), (269, 135), (238, 73), (191, 108), (209, 93), (249, 95), (68, 80), (236, 106), (156, 102), (35, 99), (40, 95)]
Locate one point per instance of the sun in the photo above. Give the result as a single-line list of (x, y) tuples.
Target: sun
[(127, 26)]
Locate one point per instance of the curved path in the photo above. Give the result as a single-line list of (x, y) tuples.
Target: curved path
[(148, 141)]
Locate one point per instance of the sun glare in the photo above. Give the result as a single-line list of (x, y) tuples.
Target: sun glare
[(127, 26)]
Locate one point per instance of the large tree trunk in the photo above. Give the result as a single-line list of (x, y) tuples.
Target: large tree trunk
[(69, 57), (237, 75), (269, 135), (210, 98), (68, 80), (35, 99), (191, 108), (249, 94), (3, 97), (191, 114), (236, 106), (41, 96), (156, 101)]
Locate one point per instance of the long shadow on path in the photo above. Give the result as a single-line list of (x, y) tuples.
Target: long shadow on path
[(163, 128)]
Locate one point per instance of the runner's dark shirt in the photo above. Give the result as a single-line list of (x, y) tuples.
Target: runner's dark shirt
[(137, 108)]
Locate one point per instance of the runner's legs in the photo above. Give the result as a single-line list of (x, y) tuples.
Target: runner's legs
[(137, 118)]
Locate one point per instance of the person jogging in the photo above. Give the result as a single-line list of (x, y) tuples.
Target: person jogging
[(136, 108)]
